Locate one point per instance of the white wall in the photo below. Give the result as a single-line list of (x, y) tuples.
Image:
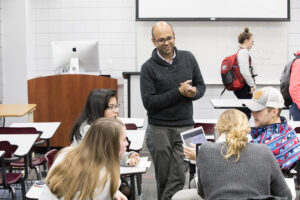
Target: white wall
[(111, 22)]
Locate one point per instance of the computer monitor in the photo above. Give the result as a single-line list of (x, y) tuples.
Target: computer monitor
[(75, 56)]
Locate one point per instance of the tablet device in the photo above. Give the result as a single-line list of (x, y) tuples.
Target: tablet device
[(195, 136)]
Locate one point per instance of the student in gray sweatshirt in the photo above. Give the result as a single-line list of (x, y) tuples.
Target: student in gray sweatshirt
[(235, 169), (170, 82)]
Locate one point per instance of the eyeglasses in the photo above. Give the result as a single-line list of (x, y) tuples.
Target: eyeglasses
[(113, 106), (161, 41)]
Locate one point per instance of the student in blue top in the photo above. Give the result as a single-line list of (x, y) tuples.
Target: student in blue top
[(272, 129)]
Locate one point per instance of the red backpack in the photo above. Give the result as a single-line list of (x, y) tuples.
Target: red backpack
[(231, 75)]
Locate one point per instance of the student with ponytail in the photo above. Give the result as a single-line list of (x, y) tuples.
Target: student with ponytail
[(247, 70), (232, 168)]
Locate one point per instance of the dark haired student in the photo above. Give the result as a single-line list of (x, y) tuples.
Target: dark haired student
[(248, 72), (170, 82), (100, 103)]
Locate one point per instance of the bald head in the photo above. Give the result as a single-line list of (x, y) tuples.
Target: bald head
[(161, 26)]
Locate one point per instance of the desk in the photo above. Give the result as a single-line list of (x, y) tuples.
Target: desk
[(228, 103), (290, 182), (17, 110), (206, 121), (139, 122), (137, 171), (24, 142), (136, 138), (48, 129), (294, 124)]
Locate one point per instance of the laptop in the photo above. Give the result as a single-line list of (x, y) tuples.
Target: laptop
[(195, 136)]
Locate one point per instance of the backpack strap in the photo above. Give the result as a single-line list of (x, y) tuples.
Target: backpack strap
[(223, 91)]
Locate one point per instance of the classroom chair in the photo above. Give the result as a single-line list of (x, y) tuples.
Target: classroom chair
[(9, 178), (50, 156), (209, 128), (34, 162), (297, 130), (132, 126)]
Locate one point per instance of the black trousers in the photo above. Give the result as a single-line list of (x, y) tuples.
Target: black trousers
[(244, 94)]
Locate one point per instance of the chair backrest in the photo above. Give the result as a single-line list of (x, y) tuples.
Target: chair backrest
[(9, 151), (8, 148), (18, 130), (50, 157), (297, 130), (130, 126), (209, 128)]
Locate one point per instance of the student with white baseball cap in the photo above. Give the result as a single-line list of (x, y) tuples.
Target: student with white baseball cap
[(272, 129)]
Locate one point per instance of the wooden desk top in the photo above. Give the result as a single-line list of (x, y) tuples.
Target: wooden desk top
[(16, 110)]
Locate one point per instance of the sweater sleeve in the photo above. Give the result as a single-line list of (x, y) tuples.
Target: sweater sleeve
[(151, 99), (243, 61), (200, 187), (278, 185), (198, 81), (294, 88)]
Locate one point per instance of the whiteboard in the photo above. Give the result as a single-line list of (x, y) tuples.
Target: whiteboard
[(211, 42), (212, 9)]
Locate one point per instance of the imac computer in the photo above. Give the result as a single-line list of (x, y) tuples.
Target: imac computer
[(73, 57)]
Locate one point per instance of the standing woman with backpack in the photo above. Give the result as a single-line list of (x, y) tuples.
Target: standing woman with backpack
[(246, 42)]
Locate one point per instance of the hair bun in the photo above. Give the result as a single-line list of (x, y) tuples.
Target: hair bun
[(246, 30)]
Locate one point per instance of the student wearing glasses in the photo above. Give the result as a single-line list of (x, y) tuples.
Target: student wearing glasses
[(100, 103), (170, 81), (90, 170)]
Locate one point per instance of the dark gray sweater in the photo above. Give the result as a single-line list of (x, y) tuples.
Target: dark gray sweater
[(255, 174), (159, 89)]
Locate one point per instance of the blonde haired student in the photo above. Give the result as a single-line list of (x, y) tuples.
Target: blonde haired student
[(233, 168), (90, 170)]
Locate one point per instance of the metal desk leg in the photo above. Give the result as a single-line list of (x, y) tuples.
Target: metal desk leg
[(132, 188), (48, 145), (139, 183)]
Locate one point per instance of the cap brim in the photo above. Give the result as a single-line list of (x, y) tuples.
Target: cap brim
[(253, 106)]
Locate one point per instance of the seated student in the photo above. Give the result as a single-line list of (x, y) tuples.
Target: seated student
[(235, 169), (100, 103), (90, 170), (273, 130), (229, 168)]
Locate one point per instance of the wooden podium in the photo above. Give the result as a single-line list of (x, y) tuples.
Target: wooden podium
[(61, 98)]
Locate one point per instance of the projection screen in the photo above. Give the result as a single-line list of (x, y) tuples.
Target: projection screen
[(213, 10)]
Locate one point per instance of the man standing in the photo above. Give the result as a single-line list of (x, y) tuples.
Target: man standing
[(273, 130), (294, 88), (170, 80)]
